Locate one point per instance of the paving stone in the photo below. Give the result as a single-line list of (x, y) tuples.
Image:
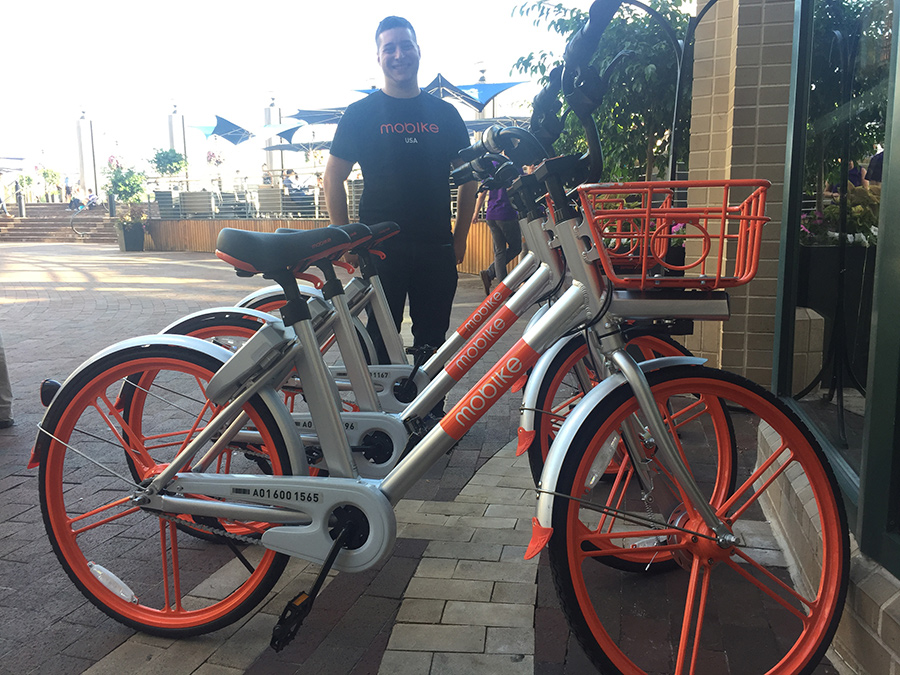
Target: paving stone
[(415, 531), (496, 664), (405, 663), (449, 589), (487, 614), (420, 610), (245, 645), (453, 508), (440, 568), (523, 572), (504, 640), (437, 638), (466, 550), (522, 594)]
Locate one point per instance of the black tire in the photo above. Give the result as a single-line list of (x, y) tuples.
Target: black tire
[(85, 505), (633, 623)]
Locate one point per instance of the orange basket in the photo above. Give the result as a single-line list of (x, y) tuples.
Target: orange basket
[(636, 228)]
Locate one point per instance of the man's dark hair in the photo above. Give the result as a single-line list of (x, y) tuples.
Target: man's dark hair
[(394, 22)]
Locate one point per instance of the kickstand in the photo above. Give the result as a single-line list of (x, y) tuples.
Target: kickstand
[(299, 608)]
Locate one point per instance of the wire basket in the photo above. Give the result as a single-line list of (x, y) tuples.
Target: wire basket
[(639, 232)]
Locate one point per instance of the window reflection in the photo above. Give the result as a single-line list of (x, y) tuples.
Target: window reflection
[(839, 227)]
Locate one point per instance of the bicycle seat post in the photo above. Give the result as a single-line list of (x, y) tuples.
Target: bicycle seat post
[(348, 343)]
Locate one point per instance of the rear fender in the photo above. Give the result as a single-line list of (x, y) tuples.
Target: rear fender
[(269, 396)]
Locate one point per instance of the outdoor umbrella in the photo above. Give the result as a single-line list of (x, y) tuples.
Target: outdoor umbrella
[(230, 131)]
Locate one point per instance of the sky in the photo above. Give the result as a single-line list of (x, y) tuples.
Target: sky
[(127, 64)]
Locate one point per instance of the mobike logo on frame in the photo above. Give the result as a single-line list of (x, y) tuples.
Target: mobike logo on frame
[(410, 128), (491, 387), (480, 343), (484, 310)]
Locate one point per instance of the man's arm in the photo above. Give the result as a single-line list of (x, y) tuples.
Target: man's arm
[(465, 210), (337, 170)]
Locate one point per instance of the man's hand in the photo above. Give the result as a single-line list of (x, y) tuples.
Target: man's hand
[(459, 248)]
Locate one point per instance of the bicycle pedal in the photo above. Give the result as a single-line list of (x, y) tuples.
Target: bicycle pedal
[(290, 621)]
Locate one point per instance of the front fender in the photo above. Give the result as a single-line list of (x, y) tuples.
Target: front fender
[(532, 388), (573, 422)]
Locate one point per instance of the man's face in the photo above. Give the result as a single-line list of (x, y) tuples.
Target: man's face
[(398, 55)]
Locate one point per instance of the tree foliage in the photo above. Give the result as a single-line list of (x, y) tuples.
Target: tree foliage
[(837, 24), (635, 116), (168, 162), (125, 184)]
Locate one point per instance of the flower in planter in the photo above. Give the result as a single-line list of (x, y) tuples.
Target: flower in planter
[(821, 228), (214, 158), (677, 229), (133, 218)]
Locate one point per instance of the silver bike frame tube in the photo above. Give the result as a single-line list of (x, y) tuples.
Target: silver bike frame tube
[(565, 314), (525, 268), (442, 383), (354, 360), (385, 322), (324, 409)]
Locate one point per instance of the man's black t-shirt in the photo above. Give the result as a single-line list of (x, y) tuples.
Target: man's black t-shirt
[(404, 147)]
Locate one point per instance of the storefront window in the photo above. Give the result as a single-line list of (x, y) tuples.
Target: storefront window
[(838, 228)]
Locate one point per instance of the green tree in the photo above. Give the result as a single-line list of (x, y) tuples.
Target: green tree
[(635, 116), (125, 184), (168, 162), (865, 24), (51, 177)]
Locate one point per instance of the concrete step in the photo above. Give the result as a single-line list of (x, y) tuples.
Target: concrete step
[(60, 230)]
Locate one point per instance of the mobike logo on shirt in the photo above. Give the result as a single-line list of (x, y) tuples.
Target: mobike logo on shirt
[(492, 331), (491, 387), (483, 311), (410, 128)]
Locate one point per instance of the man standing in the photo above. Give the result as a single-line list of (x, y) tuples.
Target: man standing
[(405, 141)]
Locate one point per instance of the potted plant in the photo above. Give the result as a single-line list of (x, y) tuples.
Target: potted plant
[(168, 162), (130, 228)]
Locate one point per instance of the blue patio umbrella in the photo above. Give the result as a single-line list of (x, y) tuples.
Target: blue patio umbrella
[(230, 131), (324, 116)]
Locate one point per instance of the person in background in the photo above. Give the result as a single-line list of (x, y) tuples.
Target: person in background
[(92, 199), (405, 141), (6, 419), (873, 173), (503, 223)]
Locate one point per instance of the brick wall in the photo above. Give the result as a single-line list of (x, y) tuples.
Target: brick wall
[(739, 130)]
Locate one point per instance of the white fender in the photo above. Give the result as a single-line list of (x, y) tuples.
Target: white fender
[(276, 291), (269, 396), (533, 386), (175, 326), (574, 420)]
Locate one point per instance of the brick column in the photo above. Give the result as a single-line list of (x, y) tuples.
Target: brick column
[(739, 130)]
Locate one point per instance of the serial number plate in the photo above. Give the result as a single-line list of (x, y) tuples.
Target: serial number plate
[(292, 496)]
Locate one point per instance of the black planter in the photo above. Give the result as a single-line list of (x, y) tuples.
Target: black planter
[(134, 238), (818, 288)]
